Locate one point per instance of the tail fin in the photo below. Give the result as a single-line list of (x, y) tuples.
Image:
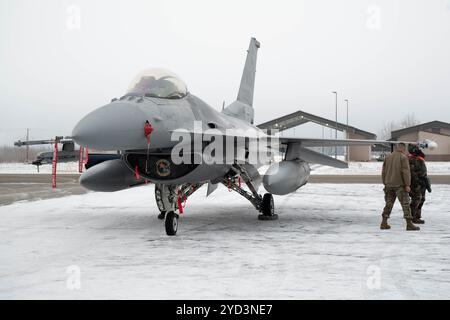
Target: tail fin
[(242, 108), (247, 86)]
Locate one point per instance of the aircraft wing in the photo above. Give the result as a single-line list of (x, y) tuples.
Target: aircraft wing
[(295, 151), (313, 142), (305, 142), (297, 148)]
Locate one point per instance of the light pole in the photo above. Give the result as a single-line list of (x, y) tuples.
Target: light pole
[(348, 148), (336, 128), (323, 137), (28, 147)]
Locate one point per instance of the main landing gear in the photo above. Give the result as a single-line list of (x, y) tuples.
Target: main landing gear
[(264, 204), (169, 199), (267, 208)]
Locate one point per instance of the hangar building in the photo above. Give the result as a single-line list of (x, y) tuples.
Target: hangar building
[(355, 153), (437, 131)]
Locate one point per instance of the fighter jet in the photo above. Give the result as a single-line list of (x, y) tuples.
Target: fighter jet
[(158, 121)]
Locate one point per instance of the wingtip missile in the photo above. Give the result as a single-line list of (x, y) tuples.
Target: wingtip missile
[(428, 144)]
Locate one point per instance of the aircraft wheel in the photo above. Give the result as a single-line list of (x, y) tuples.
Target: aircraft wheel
[(268, 208), (171, 223), (162, 215)]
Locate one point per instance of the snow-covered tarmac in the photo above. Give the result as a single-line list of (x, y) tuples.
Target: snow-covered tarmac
[(326, 244), (355, 168)]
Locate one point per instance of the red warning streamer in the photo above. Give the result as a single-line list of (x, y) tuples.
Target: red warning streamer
[(80, 160), (136, 171), (181, 205), (148, 129), (86, 159), (83, 158)]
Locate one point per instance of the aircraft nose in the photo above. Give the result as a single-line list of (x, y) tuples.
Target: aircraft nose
[(116, 126)]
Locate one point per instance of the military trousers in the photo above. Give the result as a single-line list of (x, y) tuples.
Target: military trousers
[(393, 193), (417, 200)]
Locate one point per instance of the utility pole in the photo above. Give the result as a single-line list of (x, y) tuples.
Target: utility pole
[(336, 128), (348, 148), (323, 137), (28, 148), (330, 149)]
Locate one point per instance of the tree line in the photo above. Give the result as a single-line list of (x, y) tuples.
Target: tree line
[(16, 154)]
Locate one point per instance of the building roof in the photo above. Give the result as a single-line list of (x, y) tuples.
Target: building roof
[(428, 126), (300, 117)]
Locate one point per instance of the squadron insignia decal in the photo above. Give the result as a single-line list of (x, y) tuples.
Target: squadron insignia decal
[(163, 167)]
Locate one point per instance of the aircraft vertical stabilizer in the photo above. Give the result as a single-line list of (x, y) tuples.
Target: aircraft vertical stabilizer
[(247, 86), (242, 108)]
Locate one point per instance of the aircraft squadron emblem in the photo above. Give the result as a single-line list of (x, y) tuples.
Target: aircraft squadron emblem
[(163, 167)]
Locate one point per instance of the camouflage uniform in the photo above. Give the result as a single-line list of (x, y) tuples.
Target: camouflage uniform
[(390, 195), (396, 176), (418, 187)]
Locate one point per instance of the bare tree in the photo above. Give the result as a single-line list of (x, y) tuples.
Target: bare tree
[(385, 132), (409, 120), (15, 154)]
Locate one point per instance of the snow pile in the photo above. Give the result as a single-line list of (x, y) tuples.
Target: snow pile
[(326, 245)]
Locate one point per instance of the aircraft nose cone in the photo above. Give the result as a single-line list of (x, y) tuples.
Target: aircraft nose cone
[(116, 126)]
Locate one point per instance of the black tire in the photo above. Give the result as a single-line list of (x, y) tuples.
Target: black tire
[(267, 206), (171, 223)]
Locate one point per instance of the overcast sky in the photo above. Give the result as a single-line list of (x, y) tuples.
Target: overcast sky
[(61, 59)]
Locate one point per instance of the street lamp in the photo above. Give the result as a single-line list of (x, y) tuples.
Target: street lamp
[(336, 128), (348, 148)]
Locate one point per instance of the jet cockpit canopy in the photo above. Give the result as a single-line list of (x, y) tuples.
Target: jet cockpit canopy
[(158, 83)]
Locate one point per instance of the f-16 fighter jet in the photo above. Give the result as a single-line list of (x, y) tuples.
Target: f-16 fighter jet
[(160, 133)]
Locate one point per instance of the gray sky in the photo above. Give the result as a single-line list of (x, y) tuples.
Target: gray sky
[(61, 59)]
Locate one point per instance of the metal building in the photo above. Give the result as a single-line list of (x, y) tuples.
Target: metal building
[(355, 153), (437, 131)]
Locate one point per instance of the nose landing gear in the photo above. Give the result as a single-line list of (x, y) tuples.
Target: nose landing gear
[(171, 223), (167, 200), (162, 215)]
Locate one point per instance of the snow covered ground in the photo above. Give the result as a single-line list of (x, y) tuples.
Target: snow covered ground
[(355, 168), (326, 244), (374, 168), (23, 168)]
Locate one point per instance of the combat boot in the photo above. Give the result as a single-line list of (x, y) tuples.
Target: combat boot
[(410, 226), (384, 225), (418, 221)]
